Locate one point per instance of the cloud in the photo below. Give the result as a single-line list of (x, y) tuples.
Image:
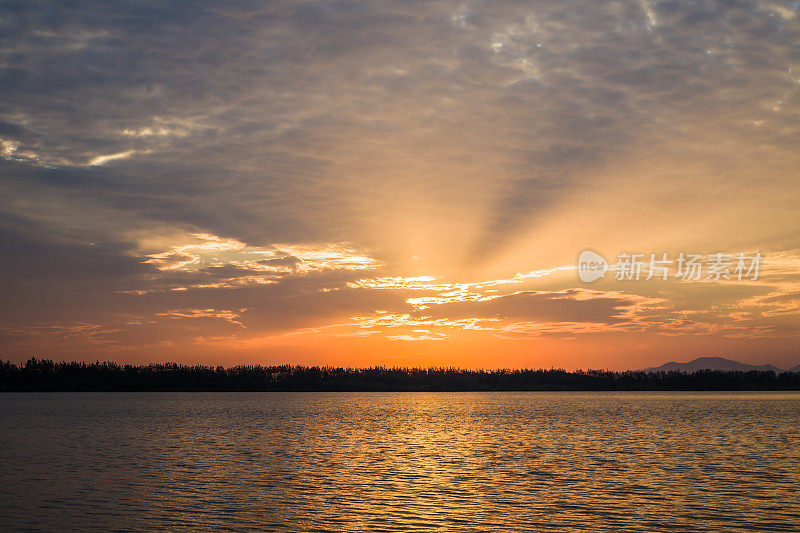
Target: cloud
[(103, 159), (312, 162), (214, 262), (224, 314), (418, 335)]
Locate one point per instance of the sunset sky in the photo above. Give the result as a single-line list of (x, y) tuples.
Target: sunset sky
[(396, 183)]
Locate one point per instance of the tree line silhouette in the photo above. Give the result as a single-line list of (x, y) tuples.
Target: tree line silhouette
[(46, 375)]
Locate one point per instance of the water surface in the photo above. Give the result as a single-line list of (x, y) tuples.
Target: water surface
[(400, 461)]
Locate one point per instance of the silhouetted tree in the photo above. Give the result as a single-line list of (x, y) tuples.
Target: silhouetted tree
[(46, 375)]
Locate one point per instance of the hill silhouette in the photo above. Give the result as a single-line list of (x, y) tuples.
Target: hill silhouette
[(715, 363)]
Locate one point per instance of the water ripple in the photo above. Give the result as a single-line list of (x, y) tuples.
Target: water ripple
[(400, 461)]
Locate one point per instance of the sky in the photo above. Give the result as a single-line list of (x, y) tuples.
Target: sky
[(399, 183)]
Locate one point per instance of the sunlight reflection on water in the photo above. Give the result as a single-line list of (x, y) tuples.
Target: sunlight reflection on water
[(400, 461)]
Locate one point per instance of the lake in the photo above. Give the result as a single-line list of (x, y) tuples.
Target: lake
[(485, 461)]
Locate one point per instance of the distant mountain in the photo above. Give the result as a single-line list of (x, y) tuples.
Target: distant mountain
[(715, 363)]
